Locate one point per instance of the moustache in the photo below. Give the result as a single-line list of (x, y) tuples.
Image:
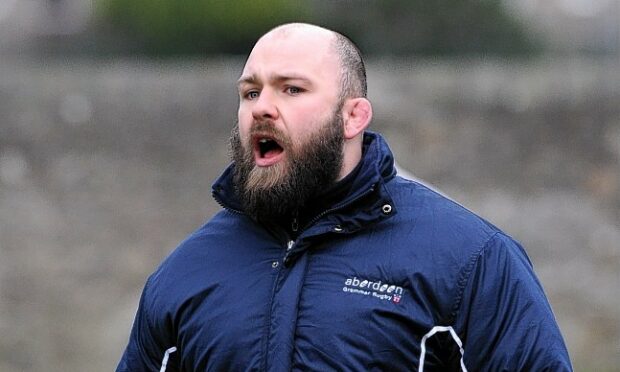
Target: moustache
[(268, 129)]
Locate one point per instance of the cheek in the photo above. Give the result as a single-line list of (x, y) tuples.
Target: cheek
[(303, 120), (244, 112), (244, 124)]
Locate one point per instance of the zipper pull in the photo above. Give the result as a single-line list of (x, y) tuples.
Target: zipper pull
[(294, 223)]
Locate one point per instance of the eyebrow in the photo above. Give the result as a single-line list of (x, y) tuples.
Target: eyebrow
[(253, 79)]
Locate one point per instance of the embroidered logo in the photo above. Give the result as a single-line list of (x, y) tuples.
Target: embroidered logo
[(379, 290)]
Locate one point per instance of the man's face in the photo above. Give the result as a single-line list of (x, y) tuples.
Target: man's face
[(289, 124), (290, 83)]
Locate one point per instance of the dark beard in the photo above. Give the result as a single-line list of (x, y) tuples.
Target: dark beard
[(285, 188)]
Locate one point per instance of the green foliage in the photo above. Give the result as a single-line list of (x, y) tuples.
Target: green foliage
[(198, 26), (398, 27), (436, 27)]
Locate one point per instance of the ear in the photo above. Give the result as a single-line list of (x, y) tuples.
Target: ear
[(356, 115)]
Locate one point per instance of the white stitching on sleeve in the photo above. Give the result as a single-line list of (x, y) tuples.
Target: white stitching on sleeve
[(436, 329), (164, 361)]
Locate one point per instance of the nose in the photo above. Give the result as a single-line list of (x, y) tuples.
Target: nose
[(265, 107)]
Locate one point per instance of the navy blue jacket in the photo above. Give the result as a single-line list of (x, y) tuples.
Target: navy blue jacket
[(393, 277)]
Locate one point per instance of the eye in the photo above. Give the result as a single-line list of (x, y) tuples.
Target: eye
[(252, 94), (293, 90)]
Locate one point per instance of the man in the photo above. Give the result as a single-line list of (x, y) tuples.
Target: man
[(323, 258)]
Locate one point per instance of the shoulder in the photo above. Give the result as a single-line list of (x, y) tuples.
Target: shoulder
[(221, 243), (447, 244), (436, 218), (220, 230)]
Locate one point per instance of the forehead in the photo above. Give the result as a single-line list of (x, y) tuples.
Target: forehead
[(302, 54)]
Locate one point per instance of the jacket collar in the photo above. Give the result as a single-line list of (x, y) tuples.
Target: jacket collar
[(365, 203)]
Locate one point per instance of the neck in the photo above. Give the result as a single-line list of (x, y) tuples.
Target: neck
[(352, 155)]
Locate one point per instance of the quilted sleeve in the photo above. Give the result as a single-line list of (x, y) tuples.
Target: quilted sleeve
[(150, 347), (503, 314)]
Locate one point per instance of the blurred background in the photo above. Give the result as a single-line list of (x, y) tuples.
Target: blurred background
[(115, 115)]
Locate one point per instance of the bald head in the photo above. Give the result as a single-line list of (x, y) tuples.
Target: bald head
[(300, 79), (351, 65)]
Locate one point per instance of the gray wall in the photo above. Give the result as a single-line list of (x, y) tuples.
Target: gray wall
[(106, 166)]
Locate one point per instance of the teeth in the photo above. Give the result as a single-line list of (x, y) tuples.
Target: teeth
[(264, 140)]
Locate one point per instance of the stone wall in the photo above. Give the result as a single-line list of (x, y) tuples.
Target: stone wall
[(106, 165)]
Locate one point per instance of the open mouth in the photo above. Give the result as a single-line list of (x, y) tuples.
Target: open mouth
[(267, 150)]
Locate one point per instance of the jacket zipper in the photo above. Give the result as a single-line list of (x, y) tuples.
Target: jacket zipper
[(291, 243), (294, 223)]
